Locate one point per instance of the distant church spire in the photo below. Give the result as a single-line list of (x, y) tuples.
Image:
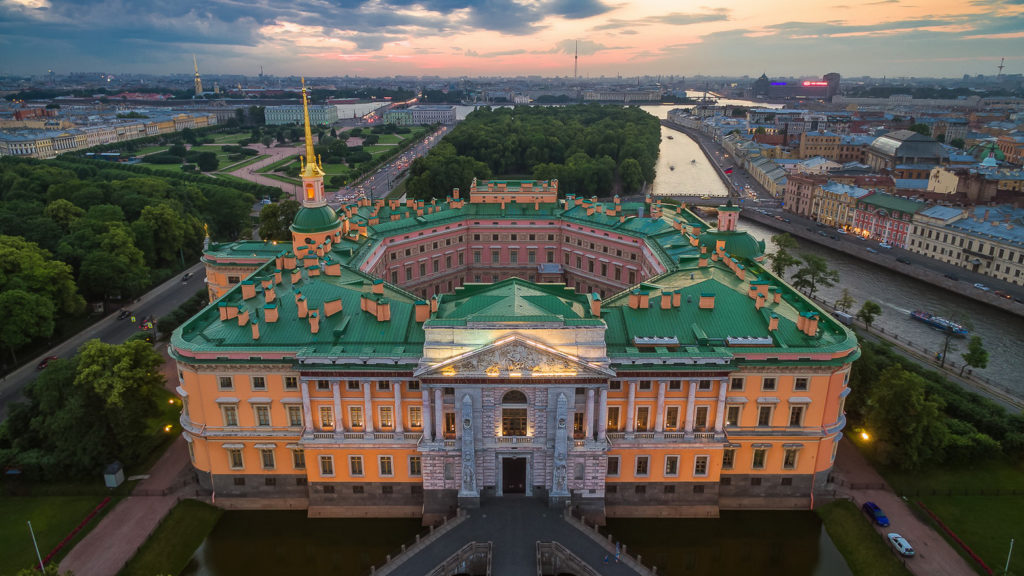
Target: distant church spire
[(198, 81), (311, 167)]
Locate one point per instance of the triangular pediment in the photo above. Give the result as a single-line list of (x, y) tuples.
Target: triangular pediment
[(515, 357)]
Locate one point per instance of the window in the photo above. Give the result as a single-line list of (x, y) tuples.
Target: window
[(476, 256), (225, 383), (327, 465), (642, 418), (732, 416), (387, 417), (323, 385), (326, 417), (262, 415), (513, 256), (671, 465), (415, 466), (672, 417), (640, 489), (387, 466), (449, 424), (259, 383), (642, 465), (415, 417), (759, 458), (299, 459), (698, 489), (615, 385), (796, 416), (704, 385), (613, 417), (645, 385), (412, 385), (294, 416), (495, 256), (701, 417), (789, 459), (384, 385), (355, 465), (267, 457), (764, 416), (613, 466), (355, 416), (768, 384), (291, 383), (736, 384), (353, 385), (239, 481), (230, 414), (235, 458), (728, 458), (800, 384), (700, 466), (755, 481)]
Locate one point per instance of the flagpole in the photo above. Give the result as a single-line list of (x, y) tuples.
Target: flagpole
[(34, 543)]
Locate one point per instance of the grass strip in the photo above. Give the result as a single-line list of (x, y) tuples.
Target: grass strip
[(175, 540), (865, 551)]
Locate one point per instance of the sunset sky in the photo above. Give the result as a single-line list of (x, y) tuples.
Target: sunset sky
[(501, 37)]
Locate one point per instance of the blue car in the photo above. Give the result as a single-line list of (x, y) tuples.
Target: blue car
[(876, 514)]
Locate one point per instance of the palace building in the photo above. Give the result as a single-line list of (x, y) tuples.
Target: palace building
[(405, 358)]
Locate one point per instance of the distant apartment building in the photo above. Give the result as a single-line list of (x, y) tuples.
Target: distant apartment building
[(623, 96), (421, 115), (834, 204), (799, 192), (903, 147), (319, 115), (824, 144), (1012, 146), (984, 239), (885, 218)]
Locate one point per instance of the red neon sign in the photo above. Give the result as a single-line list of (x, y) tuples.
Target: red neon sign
[(812, 83)]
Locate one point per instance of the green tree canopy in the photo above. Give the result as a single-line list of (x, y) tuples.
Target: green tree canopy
[(905, 420), (976, 355), (275, 220), (814, 274), (868, 312)]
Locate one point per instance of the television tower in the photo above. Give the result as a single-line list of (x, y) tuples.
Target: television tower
[(576, 62), (198, 80)]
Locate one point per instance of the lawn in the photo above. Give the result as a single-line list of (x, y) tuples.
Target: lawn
[(243, 163), (231, 138), (275, 165), (866, 553), (52, 519), (152, 150), (174, 541), (230, 177), (222, 156), (985, 522), (390, 138), (284, 179)]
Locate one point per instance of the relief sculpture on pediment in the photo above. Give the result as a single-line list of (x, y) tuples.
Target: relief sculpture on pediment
[(513, 358)]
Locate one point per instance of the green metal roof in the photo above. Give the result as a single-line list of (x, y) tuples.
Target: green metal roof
[(893, 203), (513, 300), (312, 220)]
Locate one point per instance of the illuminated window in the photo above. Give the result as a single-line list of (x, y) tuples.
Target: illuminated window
[(235, 458), (327, 465), (671, 465)]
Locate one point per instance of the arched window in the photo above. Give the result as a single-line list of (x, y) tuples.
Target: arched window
[(514, 397), (513, 413)]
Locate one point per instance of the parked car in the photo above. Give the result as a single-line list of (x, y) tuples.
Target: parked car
[(903, 260), (875, 513), (981, 286), (952, 277), (46, 362), (840, 230), (872, 250), (885, 245), (900, 544), (1002, 294), (187, 276)]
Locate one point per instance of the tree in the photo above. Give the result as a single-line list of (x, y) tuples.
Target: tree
[(868, 312), (25, 316), (26, 266), (957, 143), (845, 301), (976, 355), (813, 274), (921, 129), (63, 212), (631, 174), (160, 234), (275, 220), (781, 259), (207, 161), (907, 423)]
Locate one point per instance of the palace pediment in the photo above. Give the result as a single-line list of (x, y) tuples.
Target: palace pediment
[(515, 357)]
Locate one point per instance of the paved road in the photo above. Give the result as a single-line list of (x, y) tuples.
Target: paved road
[(934, 556), (156, 303)]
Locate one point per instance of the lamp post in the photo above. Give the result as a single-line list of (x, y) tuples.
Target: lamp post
[(43, 570)]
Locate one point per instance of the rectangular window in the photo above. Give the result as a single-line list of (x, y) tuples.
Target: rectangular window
[(299, 459), (230, 414), (732, 416), (323, 385), (728, 458), (800, 384), (704, 385), (701, 417), (513, 256), (353, 385), (768, 384), (355, 465), (294, 416), (764, 416), (789, 460), (642, 418), (613, 466), (700, 466), (449, 423), (383, 385), (387, 417), (355, 416), (387, 466), (645, 385), (235, 458), (642, 465), (326, 417), (495, 256), (415, 466), (672, 417), (759, 458), (291, 383), (671, 465), (796, 416), (225, 383), (327, 465), (267, 457), (259, 383), (262, 415), (736, 384), (415, 417), (613, 417)]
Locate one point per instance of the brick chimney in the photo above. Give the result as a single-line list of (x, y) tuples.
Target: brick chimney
[(423, 307), (303, 307), (383, 310), (707, 301), (378, 286), (677, 298), (277, 276), (666, 301), (595, 304), (332, 307), (314, 322), (243, 318), (248, 289), (269, 294), (255, 330), (434, 301), (773, 323), (296, 276), (811, 325), (270, 313), (289, 262)]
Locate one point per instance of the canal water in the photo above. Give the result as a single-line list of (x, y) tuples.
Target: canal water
[(736, 544)]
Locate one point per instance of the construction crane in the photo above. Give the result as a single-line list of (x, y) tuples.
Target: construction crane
[(1000, 67)]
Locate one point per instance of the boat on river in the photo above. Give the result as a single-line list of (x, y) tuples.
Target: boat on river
[(670, 137), (941, 323), (671, 167)]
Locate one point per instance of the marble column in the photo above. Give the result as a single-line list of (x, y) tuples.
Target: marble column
[(336, 390), (425, 411), (723, 386), (468, 487), (560, 483), (307, 409), (399, 427), (630, 406), (602, 415), (691, 395), (588, 416), (438, 415), (659, 418), (368, 403)]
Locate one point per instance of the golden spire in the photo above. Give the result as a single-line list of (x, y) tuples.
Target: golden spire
[(310, 169), (198, 80)]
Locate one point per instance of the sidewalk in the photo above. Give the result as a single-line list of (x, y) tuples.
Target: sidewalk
[(935, 556)]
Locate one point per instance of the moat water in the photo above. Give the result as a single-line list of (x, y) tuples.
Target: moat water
[(250, 543)]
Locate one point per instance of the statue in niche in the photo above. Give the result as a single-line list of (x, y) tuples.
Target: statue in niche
[(560, 478), (468, 482)]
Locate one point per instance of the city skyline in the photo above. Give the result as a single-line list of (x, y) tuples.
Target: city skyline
[(478, 38)]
